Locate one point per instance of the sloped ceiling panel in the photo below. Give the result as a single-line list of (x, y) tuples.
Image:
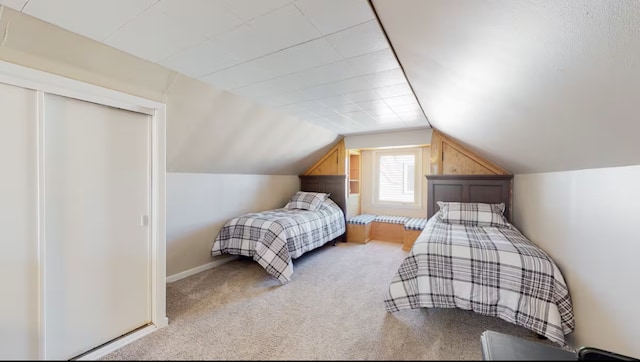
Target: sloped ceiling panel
[(208, 130), (214, 131), (534, 86), (324, 61)]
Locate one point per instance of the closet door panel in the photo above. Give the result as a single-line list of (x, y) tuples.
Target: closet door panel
[(19, 224), (97, 242)]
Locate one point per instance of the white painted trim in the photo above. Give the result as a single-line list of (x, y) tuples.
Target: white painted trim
[(158, 219), (418, 172), (42, 266), (201, 268), (43, 82), (116, 344), (24, 77)]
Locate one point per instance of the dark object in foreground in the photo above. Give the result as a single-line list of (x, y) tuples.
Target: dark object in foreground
[(597, 354), (498, 346)]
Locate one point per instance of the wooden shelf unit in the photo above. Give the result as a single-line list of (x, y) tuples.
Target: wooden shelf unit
[(354, 172)]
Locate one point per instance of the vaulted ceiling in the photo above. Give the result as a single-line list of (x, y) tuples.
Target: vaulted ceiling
[(535, 86), (327, 62)]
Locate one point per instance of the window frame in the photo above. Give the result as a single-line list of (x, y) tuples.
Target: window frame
[(417, 193)]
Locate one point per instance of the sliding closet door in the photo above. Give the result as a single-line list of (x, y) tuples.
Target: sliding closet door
[(97, 171), (18, 224)]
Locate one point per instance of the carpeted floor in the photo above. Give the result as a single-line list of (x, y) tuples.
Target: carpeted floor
[(332, 309)]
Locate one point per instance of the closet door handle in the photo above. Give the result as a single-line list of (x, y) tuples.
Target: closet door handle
[(144, 220)]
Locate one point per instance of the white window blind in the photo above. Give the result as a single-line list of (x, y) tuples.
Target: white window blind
[(395, 177)]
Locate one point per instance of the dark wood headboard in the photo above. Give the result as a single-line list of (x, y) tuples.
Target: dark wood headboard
[(489, 189), (335, 185)]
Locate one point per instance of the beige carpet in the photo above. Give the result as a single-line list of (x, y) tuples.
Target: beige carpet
[(332, 309)]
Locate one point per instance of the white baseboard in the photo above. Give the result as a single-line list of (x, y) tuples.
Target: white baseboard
[(116, 344), (198, 269)]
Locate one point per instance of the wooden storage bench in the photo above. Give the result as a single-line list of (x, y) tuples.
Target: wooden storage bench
[(412, 228), (359, 228), (389, 228), (398, 229)]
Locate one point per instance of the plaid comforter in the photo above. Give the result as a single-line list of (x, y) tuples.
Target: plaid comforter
[(274, 237), (493, 271)]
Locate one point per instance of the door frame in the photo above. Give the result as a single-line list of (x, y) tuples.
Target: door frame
[(43, 82)]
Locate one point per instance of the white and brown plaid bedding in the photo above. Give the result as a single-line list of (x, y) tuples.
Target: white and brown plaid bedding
[(274, 237), (493, 271)]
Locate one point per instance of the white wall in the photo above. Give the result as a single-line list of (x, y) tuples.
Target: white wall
[(588, 222), (198, 205)]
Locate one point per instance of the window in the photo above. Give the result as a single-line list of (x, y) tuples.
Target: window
[(396, 174)]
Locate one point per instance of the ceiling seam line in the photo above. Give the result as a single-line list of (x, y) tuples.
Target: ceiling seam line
[(315, 67), (289, 47), (129, 21), (384, 32)]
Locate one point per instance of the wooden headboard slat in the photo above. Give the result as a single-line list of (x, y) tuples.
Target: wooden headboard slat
[(490, 189)]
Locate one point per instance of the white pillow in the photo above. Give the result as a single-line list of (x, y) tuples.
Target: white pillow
[(306, 200), (473, 213)]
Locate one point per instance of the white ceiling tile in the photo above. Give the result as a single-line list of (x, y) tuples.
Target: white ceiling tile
[(361, 96), (347, 123), (304, 79), (394, 90), (375, 61), (201, 59), (249, 9), (324, 90), (359, 116), (386, 78), (330, 16), (14, 4), (411, 107), (387, 119), (334, 101), (244, 42), (94, 19), (285, 26), (406, 109), (277, 30), (153, 36), (291, 60), (351, 85), (346, 108), (359, 40), (381, 111), (405, 99), (372, 105), (205, 17), (303, 96)]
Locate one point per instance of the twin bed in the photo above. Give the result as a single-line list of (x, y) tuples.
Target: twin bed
[(273, 238), (469, 255)]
